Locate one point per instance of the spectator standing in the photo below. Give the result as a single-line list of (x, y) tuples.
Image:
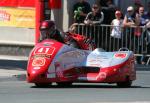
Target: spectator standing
[(137, 4), (108, 9), (148, 12), (130, 21), (103, 3), (148, 34), (93, 19), (96, 16), (80, 10), (144, 21), (130, 18), (116, 32), (148, 29)]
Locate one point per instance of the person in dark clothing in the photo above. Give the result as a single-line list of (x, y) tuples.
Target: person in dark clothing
[(94, 17), (93, 20), (48, 30), (81, 9), (137, 4), (148, 12), (144, 20), (130, 23), (130, 18), (103, 3), (108, 8)]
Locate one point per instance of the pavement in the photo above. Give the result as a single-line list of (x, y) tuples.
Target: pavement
[(13, 67), (11, 73), (10, 57)]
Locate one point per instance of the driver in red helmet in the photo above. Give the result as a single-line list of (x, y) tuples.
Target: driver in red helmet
[(48, 30)]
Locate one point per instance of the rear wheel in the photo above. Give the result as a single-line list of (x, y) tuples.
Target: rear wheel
[(42, 84)]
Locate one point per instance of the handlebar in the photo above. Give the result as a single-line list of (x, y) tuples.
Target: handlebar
[(123, 49)]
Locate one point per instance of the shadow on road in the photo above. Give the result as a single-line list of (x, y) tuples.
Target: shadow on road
[(86, 86)]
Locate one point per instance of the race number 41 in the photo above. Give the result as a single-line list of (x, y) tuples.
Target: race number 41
[(44, 50)]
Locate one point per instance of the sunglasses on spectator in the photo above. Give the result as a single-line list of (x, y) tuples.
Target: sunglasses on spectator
[(95, 7), (130, 11)]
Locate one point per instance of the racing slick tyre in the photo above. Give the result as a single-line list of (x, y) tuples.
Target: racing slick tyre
[(42, 85), (126, 84), (64, 84)]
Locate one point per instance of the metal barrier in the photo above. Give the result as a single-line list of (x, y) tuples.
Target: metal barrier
[(136, 39)]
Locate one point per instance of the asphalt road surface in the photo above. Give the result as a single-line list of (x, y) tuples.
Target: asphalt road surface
[(17, 90)]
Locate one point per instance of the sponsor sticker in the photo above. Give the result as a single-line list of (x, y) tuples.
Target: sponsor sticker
[(101, 75), (17, 17), (120, 55), (4, 15), (38, 62), (36, 68)]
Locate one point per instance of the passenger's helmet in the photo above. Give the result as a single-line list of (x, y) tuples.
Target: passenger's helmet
[(48, 27)]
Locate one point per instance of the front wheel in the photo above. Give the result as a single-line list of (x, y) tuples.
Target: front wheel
[(126, 84)]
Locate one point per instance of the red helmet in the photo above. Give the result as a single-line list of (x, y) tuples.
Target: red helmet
[(47, 24), (47, 28)]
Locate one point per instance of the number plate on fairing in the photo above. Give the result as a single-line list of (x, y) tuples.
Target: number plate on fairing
[(44, 51)]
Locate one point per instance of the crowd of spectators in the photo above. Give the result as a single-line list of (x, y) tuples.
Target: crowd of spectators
[(105, 12), (105, 7)]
